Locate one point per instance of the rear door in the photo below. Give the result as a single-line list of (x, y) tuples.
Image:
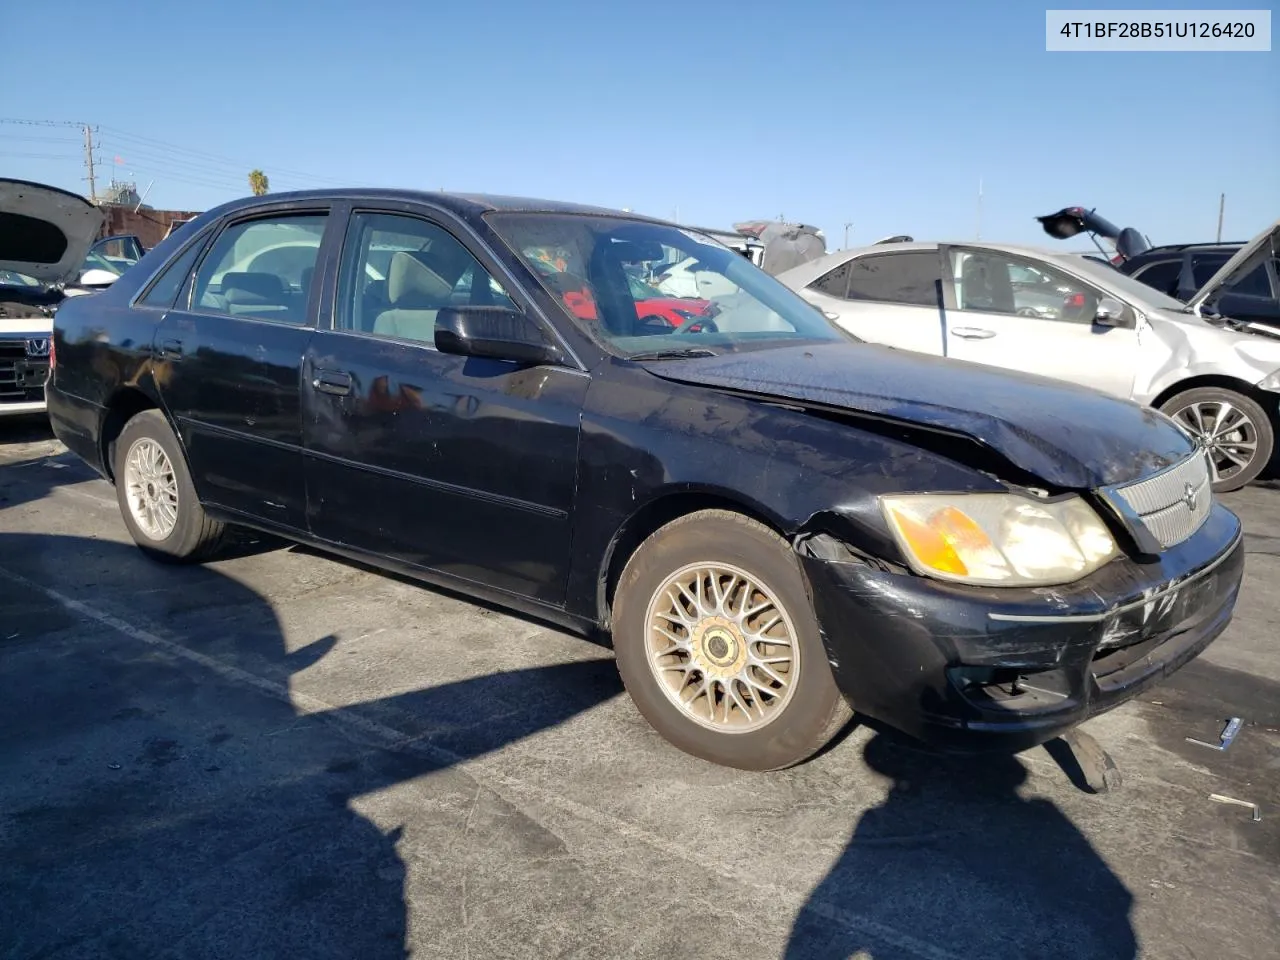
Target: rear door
[(230, 356), (892, 298), (464, 465), (1023, 314)]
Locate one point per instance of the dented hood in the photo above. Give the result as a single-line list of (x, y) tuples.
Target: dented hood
[(1068, 436), (45, 232)]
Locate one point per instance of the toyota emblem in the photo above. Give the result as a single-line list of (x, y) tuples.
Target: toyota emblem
[(38, 347)]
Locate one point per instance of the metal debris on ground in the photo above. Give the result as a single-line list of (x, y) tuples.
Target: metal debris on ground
[(1257, 814), (1229, 733)]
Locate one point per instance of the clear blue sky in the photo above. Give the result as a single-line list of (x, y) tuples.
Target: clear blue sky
[(886, 114)]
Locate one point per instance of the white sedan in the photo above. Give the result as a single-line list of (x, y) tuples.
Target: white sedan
[(1073, 318)]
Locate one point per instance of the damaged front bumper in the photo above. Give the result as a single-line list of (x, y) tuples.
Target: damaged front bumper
[(1003, 668)]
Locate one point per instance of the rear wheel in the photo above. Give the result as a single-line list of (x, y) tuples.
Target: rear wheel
[(1234, 429), (156, 496), (718, 645)]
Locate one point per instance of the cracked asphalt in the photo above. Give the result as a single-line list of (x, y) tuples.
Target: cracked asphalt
[(285, 755)]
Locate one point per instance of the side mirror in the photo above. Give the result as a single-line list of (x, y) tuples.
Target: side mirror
[(498, 333), (1110, 312), (97, 277)]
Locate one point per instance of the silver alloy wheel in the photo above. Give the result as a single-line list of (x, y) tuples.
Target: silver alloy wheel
[(151, 489), (722, 647), (1226, 431)]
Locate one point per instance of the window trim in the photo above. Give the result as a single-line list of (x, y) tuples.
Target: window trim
[(274, 211), (137, 300), (471, 241), (880, 255), (953, 305)]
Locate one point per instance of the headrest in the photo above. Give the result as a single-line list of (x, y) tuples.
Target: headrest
[(252, 287), (410, 282)]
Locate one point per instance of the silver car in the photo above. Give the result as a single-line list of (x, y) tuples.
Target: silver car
[(1070, 317)]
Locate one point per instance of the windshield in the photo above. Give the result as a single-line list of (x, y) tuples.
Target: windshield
[(1125, 285), (590, 265)]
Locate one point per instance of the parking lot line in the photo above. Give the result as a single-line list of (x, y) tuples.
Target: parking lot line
[(487, 773)]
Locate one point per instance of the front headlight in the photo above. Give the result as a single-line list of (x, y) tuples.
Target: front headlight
[(999, 539)]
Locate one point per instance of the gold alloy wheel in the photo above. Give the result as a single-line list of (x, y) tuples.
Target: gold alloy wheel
[(722, 647)]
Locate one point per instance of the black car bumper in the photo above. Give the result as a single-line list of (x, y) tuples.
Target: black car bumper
[(998, 668)]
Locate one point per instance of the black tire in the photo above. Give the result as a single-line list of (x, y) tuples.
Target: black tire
[(194, 536), (815, 710), (1259, 418)]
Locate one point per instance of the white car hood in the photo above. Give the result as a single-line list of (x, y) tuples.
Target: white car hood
[(1257, 250), (45, 232)]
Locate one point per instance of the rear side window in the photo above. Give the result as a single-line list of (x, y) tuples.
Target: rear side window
[(1204, 268), (834, 283), (1162, 276), (909, 277), (261, 269), (165, 288)]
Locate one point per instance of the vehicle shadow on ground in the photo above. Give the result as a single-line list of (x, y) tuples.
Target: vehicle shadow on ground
[(955, 863), (165, 793)]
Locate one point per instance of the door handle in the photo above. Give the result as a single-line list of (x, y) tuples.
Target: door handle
[(332, 381), (973, 333), (171, 348)]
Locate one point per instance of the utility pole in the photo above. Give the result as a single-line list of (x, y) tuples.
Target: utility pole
[(978, 235), (1222, 203), (846, 234), (88, 163)]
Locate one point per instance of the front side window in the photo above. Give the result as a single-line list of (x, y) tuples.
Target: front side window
[(985, 282), (589, 264), (261, 269), (1255, 283), (398, 272)]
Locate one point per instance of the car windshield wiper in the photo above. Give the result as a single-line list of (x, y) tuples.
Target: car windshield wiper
[(689, 353)]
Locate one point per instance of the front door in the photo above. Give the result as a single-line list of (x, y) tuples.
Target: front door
[(462, 465), (230, 353), (1019, 314)]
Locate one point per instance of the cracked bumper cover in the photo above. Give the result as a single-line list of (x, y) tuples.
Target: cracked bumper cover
[(1007, 668)]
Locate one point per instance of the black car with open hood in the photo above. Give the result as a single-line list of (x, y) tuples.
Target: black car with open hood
[(777, 525)]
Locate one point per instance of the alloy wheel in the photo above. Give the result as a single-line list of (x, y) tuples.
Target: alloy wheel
[(722, 647), (151, 489), (1226, 432)]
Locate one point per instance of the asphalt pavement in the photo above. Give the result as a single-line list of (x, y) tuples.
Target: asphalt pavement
[(280, 754)]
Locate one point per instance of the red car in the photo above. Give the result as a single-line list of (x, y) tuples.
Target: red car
[(652, 305)]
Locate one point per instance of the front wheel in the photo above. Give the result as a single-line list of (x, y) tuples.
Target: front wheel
[(1234, 429), (156, 496), (719, 647)]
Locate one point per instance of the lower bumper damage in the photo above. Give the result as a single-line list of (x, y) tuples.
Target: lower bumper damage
[(995, 668)]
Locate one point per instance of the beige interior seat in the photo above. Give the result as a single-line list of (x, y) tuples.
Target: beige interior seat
[(416, 294)]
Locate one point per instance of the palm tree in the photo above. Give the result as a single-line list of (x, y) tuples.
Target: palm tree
[(258, 182)]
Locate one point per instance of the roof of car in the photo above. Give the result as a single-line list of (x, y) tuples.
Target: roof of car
[(465, 205), (1013, 248), (1227, 247)]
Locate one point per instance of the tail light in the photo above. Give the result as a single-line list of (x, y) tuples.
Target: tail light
[(1075, 301), (53, 353)]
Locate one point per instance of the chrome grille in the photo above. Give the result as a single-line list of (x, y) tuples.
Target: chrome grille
[(1173, 504), (21, 376)]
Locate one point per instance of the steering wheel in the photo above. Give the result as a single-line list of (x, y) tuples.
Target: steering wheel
[(697, 325)]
